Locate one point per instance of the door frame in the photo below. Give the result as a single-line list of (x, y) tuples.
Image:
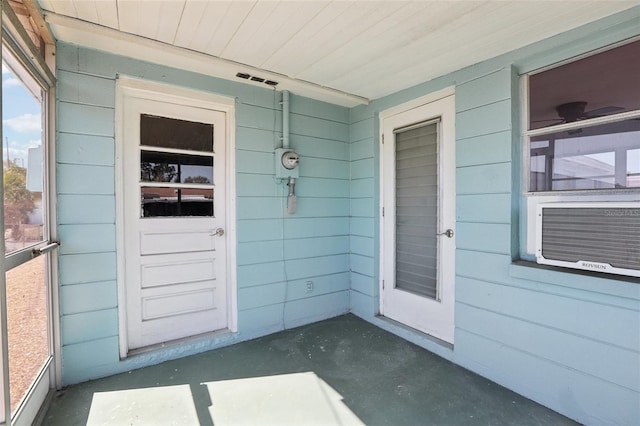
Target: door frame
[(134, 88), (383, 261)]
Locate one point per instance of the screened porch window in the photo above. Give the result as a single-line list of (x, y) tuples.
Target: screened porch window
[(584, 123)]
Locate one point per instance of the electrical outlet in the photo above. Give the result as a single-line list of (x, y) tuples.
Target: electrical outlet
[(309, 286)]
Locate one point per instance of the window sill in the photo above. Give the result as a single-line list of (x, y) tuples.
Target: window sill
[(613, 285)]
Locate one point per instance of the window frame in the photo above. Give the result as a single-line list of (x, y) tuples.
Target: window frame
[(531, 199)]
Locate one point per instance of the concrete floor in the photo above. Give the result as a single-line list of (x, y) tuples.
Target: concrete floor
[(340, 371)]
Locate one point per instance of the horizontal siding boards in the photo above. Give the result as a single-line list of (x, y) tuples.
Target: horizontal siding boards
[(363, 188), (85, 149), (85, 119), (86, 209), (362, 264), (484, 90), (262, 295), (594, 401), (303, 311), (259, 230), (84, 89), (81, 358), (487, 208), (83, 238), (364, 284), (488, 119), (81, 179), (363, 305), (250, 139), (485, 237), (604, 361), (85, 326), (315, 247), (323, 284), (361, 130), (312, 147), (571, 312), (362, 149), (324, 168), (317, 127), (87, 267), (273, 247), (318, 109), (545, 334), (88, 297), (485, 149), (484, 179)]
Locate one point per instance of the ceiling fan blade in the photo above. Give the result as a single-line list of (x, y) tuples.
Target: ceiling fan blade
[(603, 111)]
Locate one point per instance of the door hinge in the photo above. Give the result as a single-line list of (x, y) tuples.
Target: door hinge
[(383, 139), (383, 284), (383, 212)]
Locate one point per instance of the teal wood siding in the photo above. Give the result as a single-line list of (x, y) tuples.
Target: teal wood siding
[(569, 341), (276, 254)]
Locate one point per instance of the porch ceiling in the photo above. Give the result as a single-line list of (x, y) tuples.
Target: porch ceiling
[(363, 48)]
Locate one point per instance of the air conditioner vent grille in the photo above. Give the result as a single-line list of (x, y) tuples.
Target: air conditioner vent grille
[(603, 235)]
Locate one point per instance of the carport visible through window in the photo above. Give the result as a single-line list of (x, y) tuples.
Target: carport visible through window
[(584, 123), (176, 167)]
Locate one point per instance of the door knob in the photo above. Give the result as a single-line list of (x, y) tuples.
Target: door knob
[(448, 233), (219, 232)]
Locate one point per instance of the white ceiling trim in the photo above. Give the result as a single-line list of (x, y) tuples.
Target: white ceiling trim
[(113, 41)]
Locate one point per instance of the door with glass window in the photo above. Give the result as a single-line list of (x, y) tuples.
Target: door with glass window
[(27, 245), (418, 218), (174, 221)]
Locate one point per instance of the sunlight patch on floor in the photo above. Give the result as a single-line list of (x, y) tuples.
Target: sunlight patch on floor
[(287, 399), (165, 405)]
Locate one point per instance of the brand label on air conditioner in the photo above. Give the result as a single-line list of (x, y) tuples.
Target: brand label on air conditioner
[(594, 266)]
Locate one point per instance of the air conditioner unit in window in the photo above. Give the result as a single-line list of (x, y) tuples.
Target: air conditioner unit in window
[(602, 237)]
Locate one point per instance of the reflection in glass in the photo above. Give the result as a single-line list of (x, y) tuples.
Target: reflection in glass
[(596, 86), (27, 313), (598, 157), (175, 168), (171, 133), (176, 202)]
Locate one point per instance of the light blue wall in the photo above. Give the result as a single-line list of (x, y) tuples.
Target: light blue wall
[(570, 341), (276, 253), (567, 340)]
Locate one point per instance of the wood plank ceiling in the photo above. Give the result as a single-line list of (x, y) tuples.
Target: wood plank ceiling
[(365, 48)]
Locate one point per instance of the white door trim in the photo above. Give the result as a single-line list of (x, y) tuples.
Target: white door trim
[(448, 169), (129, 87)]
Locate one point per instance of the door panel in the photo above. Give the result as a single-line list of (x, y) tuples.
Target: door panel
[(174, 205), (418, 196)]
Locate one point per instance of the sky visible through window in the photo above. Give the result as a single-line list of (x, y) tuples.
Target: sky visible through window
[(21, 119)]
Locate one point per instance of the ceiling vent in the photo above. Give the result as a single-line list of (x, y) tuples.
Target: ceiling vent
[(257, 79)]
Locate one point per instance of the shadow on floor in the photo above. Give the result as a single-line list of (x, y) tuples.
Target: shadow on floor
[(339, 371)]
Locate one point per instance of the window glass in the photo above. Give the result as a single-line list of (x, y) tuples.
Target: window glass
[(597, 157), (23, 166), (175, 168), (163, 132), (599, 85), (586, 155), (176, 202)]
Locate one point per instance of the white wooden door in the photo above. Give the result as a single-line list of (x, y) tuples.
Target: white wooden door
[(418, 223), (174, 221)]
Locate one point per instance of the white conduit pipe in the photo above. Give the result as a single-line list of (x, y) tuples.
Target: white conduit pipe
[(285, 119)]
